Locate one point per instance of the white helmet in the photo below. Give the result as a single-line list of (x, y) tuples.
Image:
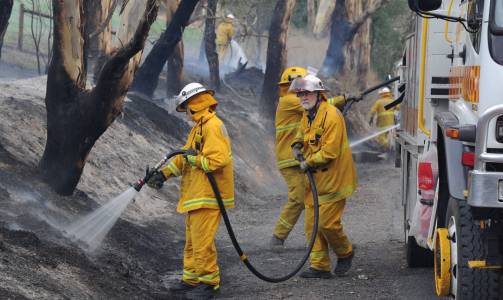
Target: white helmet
[(230, 16), (189, 91), (308, 83), (384, 90)]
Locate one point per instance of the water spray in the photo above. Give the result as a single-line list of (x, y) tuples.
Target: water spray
[(92, 229), (360, 141)]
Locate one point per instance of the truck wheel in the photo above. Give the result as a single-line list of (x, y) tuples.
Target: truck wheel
[(467, 245), (417, 256)]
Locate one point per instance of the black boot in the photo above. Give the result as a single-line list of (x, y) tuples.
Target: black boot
[(344, 264), (202, 292), (313, 273), (181, 287)]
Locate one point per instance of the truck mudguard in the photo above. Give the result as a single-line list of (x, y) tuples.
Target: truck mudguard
[(453, 152)]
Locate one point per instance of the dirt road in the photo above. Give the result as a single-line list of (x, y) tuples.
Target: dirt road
[(373, 221)]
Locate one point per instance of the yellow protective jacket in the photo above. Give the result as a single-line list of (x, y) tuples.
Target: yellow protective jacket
[(225, 32), (288, 115), (337, 101), (385, 118), (326, 148), (211, 141)]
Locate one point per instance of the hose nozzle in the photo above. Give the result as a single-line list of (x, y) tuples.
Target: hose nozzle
[(138, 185)]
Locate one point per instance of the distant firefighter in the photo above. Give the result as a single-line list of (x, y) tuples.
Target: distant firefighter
[(385, 118), (225, 32)]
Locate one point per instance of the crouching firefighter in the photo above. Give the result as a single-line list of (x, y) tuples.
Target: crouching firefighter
[(322, 145), (208, 149)]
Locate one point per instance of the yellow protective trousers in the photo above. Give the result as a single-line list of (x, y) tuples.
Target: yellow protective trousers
[(221, 49), (200, 254), (330, 234), (383, 139), (294, 178)]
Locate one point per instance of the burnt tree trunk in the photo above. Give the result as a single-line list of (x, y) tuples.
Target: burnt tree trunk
[(147, 76), (76, 116), (210, 44), (175, 62), (98, 33), (341, 33), (5, 11), (276, 55), (344, 29)]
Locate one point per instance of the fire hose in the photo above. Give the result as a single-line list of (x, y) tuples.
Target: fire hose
[(244, 258)]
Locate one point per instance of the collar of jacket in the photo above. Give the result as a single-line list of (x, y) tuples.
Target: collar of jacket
[(311, 114), (318, 113), (203, 116)]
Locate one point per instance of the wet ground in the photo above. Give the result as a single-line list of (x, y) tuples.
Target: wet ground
[(142, 255), (373, 220)]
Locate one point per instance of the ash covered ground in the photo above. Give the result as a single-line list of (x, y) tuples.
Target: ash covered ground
[(142, 254)]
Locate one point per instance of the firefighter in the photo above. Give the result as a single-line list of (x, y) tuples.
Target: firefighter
[(208, 149), (225, 32), (288, 115), (321, 145), (385, 118)]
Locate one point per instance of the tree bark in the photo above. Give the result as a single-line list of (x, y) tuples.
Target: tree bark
[(175, 62), (349, 47), (324, 15), (276, 55), (5, 11), (76, 116), (98, 34), (311, 14), (148, 74), (210, 44)]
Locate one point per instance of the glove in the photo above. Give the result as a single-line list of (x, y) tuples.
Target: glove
[(297, 151), (371, 121), (190, 156), (156, 180), (304, 166)]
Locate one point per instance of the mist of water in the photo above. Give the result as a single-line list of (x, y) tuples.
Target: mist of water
[(91, 230), (363, 140)]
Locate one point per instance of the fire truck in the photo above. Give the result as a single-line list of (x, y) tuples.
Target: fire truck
[(451, 144)]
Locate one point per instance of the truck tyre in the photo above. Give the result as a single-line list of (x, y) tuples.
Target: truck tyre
[(467, 245), (417, 256)]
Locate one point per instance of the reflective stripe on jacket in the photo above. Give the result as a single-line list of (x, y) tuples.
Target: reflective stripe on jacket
[(288, 115), (326, 149), (209, 138)]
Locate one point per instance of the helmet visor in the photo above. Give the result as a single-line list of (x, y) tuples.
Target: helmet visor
[(301, 85)]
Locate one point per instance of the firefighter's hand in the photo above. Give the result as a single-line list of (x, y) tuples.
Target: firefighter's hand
[(190, 157), (157, 180), (304, 166), (297, 151)]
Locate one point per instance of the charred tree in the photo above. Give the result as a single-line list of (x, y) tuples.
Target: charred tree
[(344, 51), (76, 116), (98, 32), (5, 11), (276, 55), (175, 62), (147, 76), (210, 44)]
